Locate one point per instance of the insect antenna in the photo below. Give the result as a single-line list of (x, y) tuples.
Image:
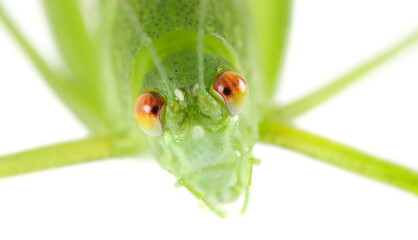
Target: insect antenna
[(148, 44), (200, 44)]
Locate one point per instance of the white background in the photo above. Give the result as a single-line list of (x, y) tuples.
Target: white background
[(293, 197)]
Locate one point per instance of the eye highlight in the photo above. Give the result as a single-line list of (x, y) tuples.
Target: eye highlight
[(147, 112), (232, 87)]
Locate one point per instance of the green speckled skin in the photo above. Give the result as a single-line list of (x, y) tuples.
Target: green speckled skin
[(143, 21), (178, 66), (203, 145)]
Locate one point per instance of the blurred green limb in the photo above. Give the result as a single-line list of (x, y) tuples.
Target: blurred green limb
[(272, 24), (339, 155), (276, 128), (320, 96), (85, 84), (68, 153), (55, 79), (85, 54)]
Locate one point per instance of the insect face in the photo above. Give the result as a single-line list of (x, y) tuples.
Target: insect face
[(202, 134)]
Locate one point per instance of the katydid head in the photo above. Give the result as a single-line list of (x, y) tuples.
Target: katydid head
[(202, 136)]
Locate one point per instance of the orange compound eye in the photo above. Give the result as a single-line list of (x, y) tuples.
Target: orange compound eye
[(148, 108), (232, 87)]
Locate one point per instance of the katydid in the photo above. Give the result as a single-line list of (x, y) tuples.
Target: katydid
[(197, 77)]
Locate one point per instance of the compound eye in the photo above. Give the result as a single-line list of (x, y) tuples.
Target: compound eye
[(232, 87), (148, 109)]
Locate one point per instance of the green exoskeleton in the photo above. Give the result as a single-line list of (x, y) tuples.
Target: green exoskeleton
[(191, 81), (192, 69)]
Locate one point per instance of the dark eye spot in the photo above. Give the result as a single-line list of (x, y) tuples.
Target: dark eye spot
[(226, 91), (154, 110)]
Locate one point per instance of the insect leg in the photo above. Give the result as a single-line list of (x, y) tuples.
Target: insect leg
[(339, 155), (320, 96)]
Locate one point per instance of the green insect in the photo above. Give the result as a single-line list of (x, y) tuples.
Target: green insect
[(188, 80)]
